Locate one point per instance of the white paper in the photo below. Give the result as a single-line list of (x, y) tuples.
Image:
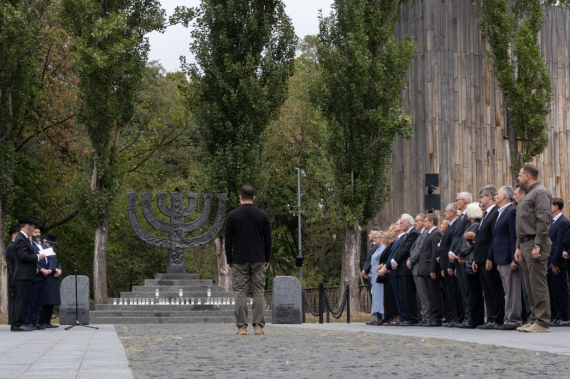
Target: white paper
[(47, 252)]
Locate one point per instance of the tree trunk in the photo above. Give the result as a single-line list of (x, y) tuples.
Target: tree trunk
[(224, 277), (351, 264), (100, 262), (513, 147), (3, 268)]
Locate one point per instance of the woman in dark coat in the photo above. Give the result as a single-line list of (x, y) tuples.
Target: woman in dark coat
[(52, 296)]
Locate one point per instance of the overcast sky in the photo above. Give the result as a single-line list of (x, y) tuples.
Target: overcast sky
[(168, 47)]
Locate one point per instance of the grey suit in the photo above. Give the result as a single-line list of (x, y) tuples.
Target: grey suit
[(414, 259)]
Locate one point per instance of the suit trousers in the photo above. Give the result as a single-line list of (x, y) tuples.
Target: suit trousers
[(464, 288), (422, 294), (534, 272), (454, 302), (244, 274), (35, 302), (409, 300), (559, 294), (494, 294), (45, 314), (476, 305), (10, 303), (434, 300), (22, 291), (396, 288), (512, 286)]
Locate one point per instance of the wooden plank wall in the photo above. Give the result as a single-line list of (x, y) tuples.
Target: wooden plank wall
[(455, 104)]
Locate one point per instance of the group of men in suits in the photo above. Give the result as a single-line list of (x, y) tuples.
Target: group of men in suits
[(33, 278), (510, 261)]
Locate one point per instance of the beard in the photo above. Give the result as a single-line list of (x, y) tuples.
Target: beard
[(37, 239)]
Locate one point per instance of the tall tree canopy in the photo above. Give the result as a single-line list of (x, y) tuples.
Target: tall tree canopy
[(511, 30), (110, 55), (244, 53), (363, 71)]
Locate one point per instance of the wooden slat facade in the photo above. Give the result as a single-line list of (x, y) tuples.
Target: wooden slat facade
[(456, 107)]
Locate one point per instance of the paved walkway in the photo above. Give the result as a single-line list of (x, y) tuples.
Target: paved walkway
[(76, 353)]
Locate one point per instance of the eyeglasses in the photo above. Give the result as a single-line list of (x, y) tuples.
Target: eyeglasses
[(459, 199)]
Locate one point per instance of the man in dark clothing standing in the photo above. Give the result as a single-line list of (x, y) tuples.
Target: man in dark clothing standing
[(248, 250), (11, 260), (24, 273)]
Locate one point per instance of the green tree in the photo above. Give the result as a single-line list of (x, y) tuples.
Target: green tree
[(363, 71), (244, 53), (109, 58), (511, 32)]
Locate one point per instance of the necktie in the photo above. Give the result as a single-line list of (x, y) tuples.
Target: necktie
[(483, 219)]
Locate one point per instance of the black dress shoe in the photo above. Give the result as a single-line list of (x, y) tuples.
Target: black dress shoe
[(39, 327), (22, 328), (555, 323), (466, 325), (505, 327), (407, 323), (434, 323), (50, 326), (487, 326)]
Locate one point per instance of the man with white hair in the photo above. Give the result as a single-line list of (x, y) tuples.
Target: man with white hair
[(407, 285)]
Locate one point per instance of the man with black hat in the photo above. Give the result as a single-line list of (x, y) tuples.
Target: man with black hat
[(40, 284), (24, 273), (51, 296), (11, 259)]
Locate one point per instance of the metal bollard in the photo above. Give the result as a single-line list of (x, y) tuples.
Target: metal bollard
[(348, 304), (321, 294), (303, 307)]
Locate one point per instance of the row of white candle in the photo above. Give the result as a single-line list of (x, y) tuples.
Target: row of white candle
[(177, 301)]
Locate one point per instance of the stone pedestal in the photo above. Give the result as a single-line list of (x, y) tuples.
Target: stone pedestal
[(67, 307), (287, 300)]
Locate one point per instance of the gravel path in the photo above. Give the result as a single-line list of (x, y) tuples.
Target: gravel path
[(214, 350)]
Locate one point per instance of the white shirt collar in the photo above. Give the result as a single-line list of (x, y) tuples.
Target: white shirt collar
[(490, 208), (25, 235), (431, 230), (557, 217)]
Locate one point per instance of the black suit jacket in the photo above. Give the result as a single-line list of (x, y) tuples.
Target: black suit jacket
[(463, 224), (367, 263), (445, 246), (556, 234), (11, 260), (429, 254), (403, 253), (26, 259), (484, 237), (505, 237)]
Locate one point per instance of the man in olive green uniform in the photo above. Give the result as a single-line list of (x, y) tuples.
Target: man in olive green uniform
[(533, 247)]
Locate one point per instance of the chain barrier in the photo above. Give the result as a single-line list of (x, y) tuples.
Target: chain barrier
[(307, 308), (340, 309)]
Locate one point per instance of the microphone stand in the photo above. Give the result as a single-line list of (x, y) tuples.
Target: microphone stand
[(77, 323)]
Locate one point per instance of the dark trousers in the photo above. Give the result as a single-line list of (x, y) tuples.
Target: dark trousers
[(559, 294), (494, 293), (396, 288), (434, 299), (45, 314), (21, 296), (35, 302), (476, 305), (454, 302), (463, 283), (409, 300), (10, 304)]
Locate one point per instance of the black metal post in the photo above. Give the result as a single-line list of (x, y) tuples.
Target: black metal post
[(348, 304), (321, 294), (328, 316), (303, 307)]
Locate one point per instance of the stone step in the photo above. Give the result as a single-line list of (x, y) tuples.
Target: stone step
[(175, 294), (166, 320), (169, 313), (194, 288), (177, 282), (163, 307), (177, 276)]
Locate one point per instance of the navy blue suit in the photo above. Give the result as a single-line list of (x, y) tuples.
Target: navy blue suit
[(505, 237), (38, 290), (394, 276), (453, 304), (558, 284)]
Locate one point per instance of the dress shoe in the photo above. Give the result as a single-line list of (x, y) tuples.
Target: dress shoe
[(39, 327), (505, 327), (380, 322), (487, 326), (51, 326), (258, 330), (434, 323), (466, 325), (555, 323), (535, 328), (564, 323), (242, 330), (407, 323), (370, 322), (22, 328)]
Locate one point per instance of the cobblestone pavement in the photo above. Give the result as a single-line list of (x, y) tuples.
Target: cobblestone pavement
[(214, 350)]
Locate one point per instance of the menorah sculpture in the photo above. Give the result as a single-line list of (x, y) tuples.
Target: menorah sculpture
[(176, 241)]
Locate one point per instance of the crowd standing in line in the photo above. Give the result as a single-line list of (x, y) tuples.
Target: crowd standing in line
[(505, 257)]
